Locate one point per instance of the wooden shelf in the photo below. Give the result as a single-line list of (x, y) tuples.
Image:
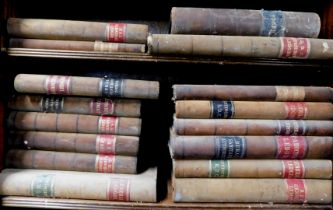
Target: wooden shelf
[(145, 57)]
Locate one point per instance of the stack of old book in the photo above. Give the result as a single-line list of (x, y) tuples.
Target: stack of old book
[(242, 33), (77, 35), (80, 133), (252, 144)]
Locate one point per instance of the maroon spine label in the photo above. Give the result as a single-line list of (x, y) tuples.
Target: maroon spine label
[(108, 125), (105, 163), (291, 147), (294, 47), (58, 85), (291, 127), (116, 32), (101, 106), (118, 190), (293, 169), (296, 190), (106, 144), (296, 110)]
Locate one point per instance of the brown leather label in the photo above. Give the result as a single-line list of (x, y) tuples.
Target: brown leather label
[(118, 189), (116, 32), (105, 163), (296, 110), (291, 127), (293, 169), (291, 147), (296, 190), (106, 144), (58, 85), (294, 47), (289, 93), (108, 125), (101, 106)]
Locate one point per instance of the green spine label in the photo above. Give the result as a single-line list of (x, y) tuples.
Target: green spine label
[(219, 168), (43, 186)]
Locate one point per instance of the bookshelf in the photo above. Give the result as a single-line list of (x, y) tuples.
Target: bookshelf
[(168, 70)]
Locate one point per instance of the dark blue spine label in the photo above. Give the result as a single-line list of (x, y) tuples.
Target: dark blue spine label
[(291, 128), (272, 24), (227, 147), (222, 109), (52, 104), (112, 88)]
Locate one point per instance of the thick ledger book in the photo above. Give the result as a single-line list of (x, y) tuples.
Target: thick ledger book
[(244, 22), (76, 105), (97, 46), (292, 169), (67, 161), (253, 127), (74, 123), (77, 30), (86, 86), (241, 46), (261, 147), (252, 190), (79, 185), (253, 93), (253, 110), (76, 142)]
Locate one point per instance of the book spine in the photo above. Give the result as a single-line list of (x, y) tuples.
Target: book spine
[(241, 46), (253, 190), (291, 169), (98, 46), (76, 105), (257, 147), (66, 161), (253, 110), (253, 127), (78, 185), (253, 93), (74, 123), (244, 22), (76, 142), (86, 86), (77, 30)]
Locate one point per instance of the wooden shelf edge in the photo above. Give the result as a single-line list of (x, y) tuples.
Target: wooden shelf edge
[(50, 203), (145, 57)]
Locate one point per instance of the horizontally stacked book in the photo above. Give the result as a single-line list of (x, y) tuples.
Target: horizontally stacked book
[(97, 137), (242, 33), (252, 144), (77, 35)]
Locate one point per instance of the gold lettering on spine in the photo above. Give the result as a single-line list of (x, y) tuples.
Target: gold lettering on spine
[(106, 144), (116, 32), (293, 169), (296, 110), (102, 106), (108, 125), (118, 189), (58, 85), (296, 190), (105, 163), (294, 47)]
